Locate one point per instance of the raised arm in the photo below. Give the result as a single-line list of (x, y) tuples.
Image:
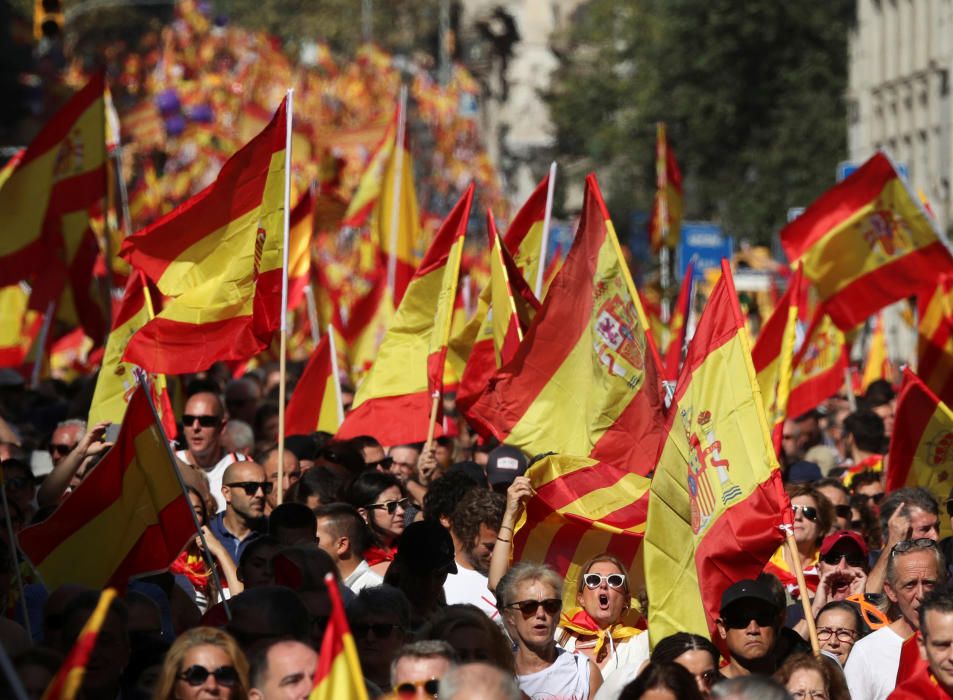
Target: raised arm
[(520, 491), (56, 482)]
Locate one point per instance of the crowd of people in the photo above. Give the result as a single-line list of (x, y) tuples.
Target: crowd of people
[(420, 541)]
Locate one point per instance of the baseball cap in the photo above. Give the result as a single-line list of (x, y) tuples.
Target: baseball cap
[(472, 470), (747, 589), (803, 472), (504, 464), (836, 538), (426, 546)]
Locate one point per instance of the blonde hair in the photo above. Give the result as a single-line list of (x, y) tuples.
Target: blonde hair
[(200, 636)]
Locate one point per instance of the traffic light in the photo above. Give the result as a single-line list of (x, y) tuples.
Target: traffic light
[(48, 19)]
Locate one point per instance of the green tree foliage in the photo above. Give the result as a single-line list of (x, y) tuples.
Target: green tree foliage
[(752, 93)]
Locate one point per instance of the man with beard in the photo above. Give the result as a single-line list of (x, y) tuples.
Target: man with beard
[(245, 489), (475, 527)]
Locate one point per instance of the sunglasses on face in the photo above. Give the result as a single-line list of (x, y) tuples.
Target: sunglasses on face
[(907, 545), (843, 512), (739, 620), (875, 497), (188, 421), (197, 675), (60, 449), (833, 558), (251, 487), (408, 689), (809, 512), (384, 463), (528, 608), (595, 580), (381, 630), (390, 506)]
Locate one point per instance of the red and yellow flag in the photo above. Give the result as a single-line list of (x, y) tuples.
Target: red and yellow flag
[(773, 356), (132, 499), (61, 173), (393, 402), (20, 325), (819, 366), (338, 673), (922, 442), (866, 243), (315, 403), (678, 327), (219, 256), (68, 680), (511, 299), (935, 339), (585, 380), (877, 363), (367, 323), (716, 500), (301, 225), (665, 223)]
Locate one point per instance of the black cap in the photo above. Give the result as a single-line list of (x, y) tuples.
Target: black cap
[(747, 589), (504, 464), (426, 546), (473, 470)]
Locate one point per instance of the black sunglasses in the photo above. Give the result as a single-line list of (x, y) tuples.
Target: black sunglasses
[(876, 498), (529, 607), (251, 487), (409, 689), (390, 506), (739, 620), (843, 512), (381, 630), (809, 512), (204, 421), (196, 675), (833, 558), (384, 463), (60, 449)]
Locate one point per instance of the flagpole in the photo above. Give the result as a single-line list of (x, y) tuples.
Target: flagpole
[(206, 555), (398, 181), (338, 399), (312, 313), (282, 357), (41, 344), (16, 563), (13, 680), (547, 219), (802, 587), (849, 388)]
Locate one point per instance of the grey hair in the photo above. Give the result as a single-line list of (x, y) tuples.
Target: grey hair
[(241, 435), (73, 423), (891, 574), (912, 498), (480, 680), (383, 600), (525, 571), (749, 688), (426, 649)]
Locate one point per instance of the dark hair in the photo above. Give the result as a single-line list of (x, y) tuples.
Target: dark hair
[(195, 492), (479, 507), (859, 625), (674, 645), (825, 511), (262, 452), (669, 675), (868, 430), (871, 524), (911, 498), (14, 463), (939, 600), (445, 493), (291, 516), (879, 393), (279, 610), (362, 441), (365, 489), (344, 521), (832, 483), (445, 622), (868, 476), (252, 548), (266, 410), (320, 482), (343, 453)]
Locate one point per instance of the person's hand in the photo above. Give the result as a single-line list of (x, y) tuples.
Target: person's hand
[(520, 491), (214, 546), (92, 442), (822, 594), (898, 527), (426, 466)]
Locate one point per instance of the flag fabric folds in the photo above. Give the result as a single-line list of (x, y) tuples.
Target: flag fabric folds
[(665, 222), (866, 243), (219, 256), (922, 444), (315, 403), (511, 299), (301, 224), (584, 380), (678, 327), (393, 402), (716, 500), (819, 365), (876, 363), (338, 673), (935, 339), (68, 680), (132, 500)]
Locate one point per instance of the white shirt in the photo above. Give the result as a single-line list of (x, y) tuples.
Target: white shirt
[(566, 679), (214, 475), (622, 665), (362, 577), (470, 586), (872, 666)]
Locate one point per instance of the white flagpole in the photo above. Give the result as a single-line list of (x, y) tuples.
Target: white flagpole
[(395, 205), (41, 344), (547, 219), (282, 360), (339, 400)]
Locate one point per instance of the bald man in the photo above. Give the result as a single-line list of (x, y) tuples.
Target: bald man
[(245, 490)]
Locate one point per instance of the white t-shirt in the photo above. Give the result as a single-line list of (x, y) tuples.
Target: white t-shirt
[(566, 679), (214, 475), (470, 586), (362, 577), (872, 666)]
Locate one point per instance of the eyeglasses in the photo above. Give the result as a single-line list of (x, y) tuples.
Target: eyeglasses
[(197, 675), (381, 463), (552, 606), (842, 633), (843, 512), (907, 545), (381, 630), (809, 512), (833, 558), (408, 689), (739, 620), (875, 497), (808, 694), (60, 449), (390, 506), (595, 580), (251, 487), (205, 421)]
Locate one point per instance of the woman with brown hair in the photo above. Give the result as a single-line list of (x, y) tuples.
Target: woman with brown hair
[(808, 677), (203, 662), (813, 515)]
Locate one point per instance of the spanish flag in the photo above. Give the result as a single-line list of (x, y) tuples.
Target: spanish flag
[(819, 365), (877, 361), (132, 500), (773, 356), (367, 323), (585, 379), (935, 339), (219, 257), (393, 402), (665, 223), (301, 225), (716, 501), (315, 403), (20, 325), (678, 327), (513, 303), (68, 680), (338, 674), (61, 173), (921, 448), (867, 242)]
